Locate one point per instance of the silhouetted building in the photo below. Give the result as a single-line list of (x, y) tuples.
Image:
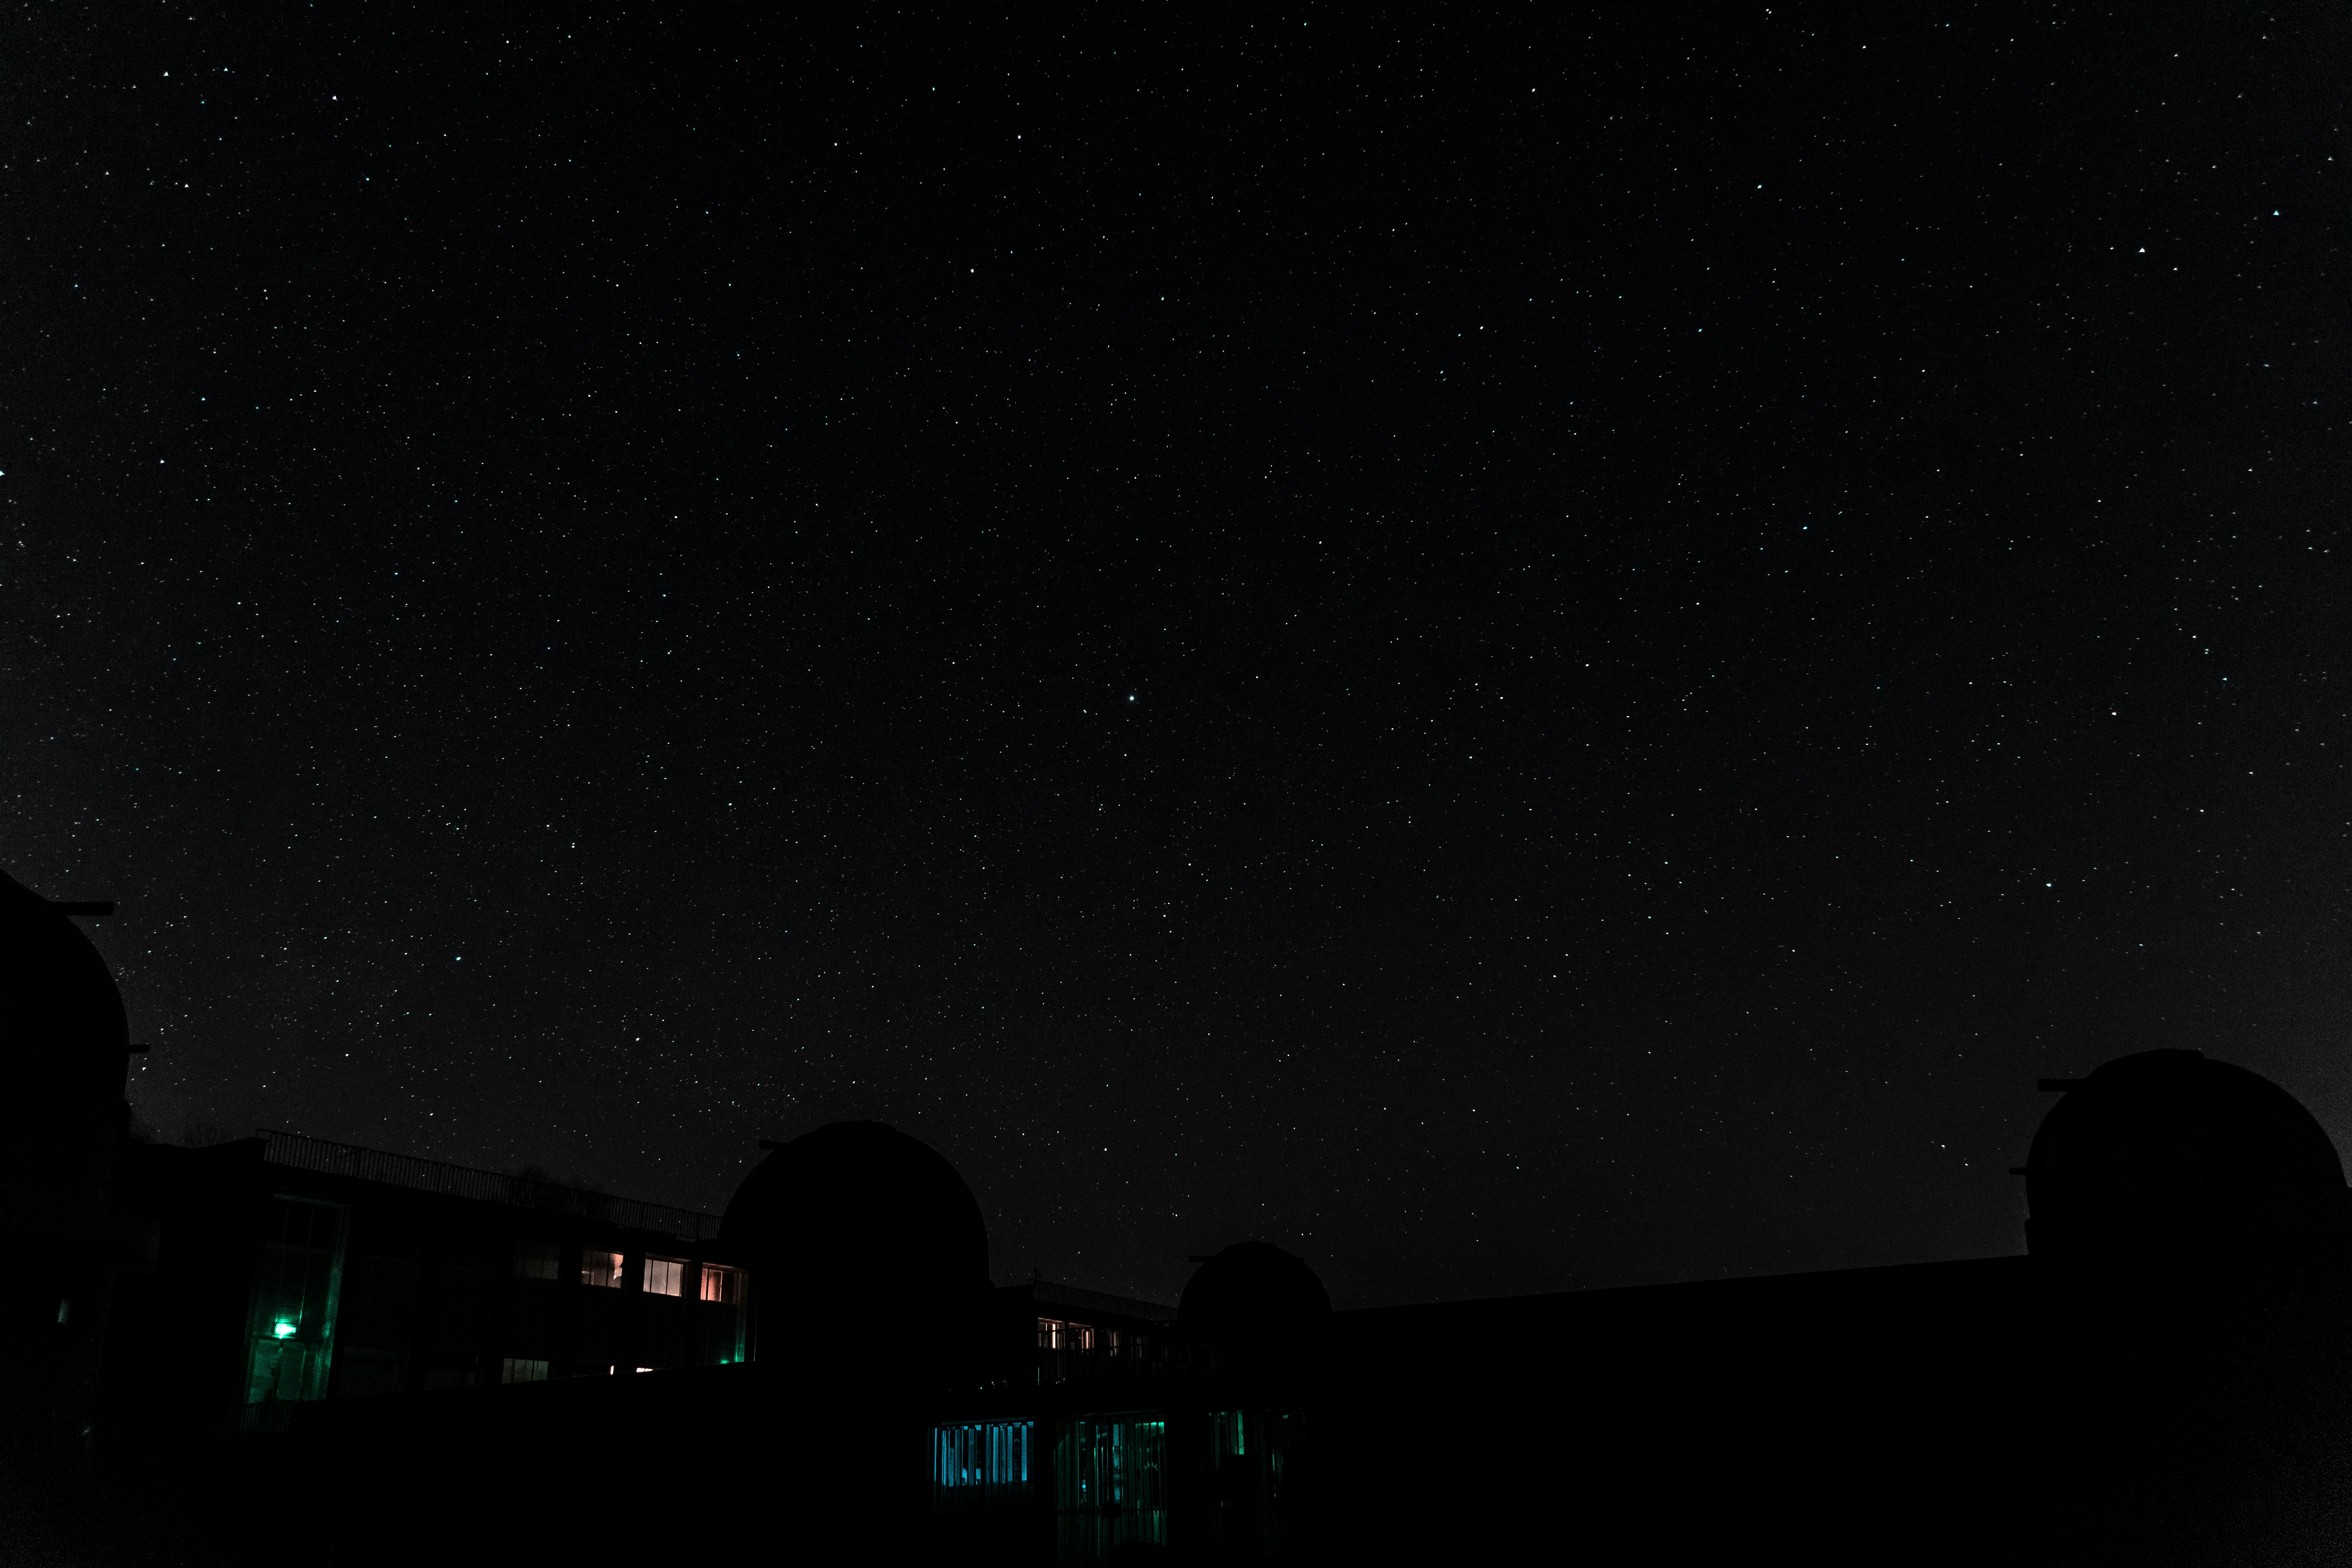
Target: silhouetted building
[(2171, 1155), (286, 1269), (282, 1348), (66, 1047)]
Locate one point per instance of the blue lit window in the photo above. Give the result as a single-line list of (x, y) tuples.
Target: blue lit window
[(983, 1463)]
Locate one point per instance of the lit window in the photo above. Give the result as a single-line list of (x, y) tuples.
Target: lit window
[(517, 1369), (993, 1456), (665, 1276), (1109, 1485), (601, 1268), (1053, 1335), (723, 1285), (536, 1260)]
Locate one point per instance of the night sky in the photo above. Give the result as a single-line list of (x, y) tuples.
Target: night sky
[(1518, 652)]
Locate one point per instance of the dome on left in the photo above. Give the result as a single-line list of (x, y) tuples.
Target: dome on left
[(64, 1038)]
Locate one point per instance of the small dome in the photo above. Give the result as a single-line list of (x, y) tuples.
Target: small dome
[(859, 1203), (2169, 1151), (64, 1038), (1251, 1285)]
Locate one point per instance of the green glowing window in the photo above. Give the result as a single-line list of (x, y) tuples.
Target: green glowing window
[(298, 1285), (520, 1369), (1110, 1485), (536, 1260)]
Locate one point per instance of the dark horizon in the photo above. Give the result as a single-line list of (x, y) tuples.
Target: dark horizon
[(1513, 655)]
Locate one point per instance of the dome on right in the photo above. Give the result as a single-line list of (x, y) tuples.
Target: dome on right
[(1250, 1286), (2171, 1151)]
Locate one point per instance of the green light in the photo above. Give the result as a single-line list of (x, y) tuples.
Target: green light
[(285, 1329)]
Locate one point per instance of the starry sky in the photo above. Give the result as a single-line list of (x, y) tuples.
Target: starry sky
[(1517, 650)]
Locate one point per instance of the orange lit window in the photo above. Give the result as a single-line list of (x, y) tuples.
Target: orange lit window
[(601, 1268), (723, 1285), (665, 1276), (1053, 1335)]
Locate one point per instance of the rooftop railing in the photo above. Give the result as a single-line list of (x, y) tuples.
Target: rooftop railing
[(306, 1153), (1046, 1292)]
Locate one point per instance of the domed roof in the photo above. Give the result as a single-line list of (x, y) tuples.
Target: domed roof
[(858, 1201), (2168, 1151), (64, 1038), (1250, 1285)]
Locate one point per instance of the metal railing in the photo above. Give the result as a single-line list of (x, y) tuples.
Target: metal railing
[(1165, 1358), (1046, 1292), (306, 1153)]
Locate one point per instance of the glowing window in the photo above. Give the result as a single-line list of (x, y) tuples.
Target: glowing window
[(723, 1285), (517, 1369), (601, 1268), (536, 1260), (1054, 1334), (1109, 1485), (665, 1276), (995, 1456)]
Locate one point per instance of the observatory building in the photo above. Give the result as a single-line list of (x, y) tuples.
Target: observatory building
[(284, 1349)]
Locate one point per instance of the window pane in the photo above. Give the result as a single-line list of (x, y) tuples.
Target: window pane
[(723, 1285), (1108, 1486), (601, 1268), (982, 1467), (665, 1276), (297, 1285), (517, 1369), (536, 1260)]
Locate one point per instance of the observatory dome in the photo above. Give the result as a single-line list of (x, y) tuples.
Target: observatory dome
[(859, 1203), (64, 1039), (1249, 1286), (2172, 1151)]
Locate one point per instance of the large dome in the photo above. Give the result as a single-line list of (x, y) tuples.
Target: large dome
[(2169, 1151), (857, 1204), (62, 1026), (1249, 1286)]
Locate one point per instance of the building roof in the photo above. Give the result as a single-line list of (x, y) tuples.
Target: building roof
[(301, 1153)]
